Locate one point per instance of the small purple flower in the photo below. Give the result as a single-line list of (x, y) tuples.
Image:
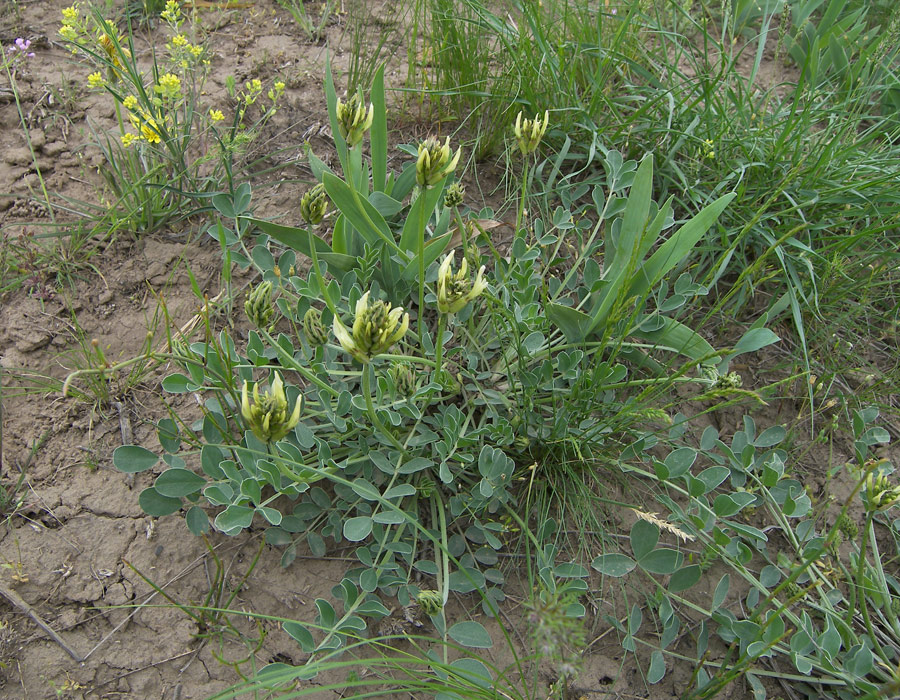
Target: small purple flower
[(22, 46)]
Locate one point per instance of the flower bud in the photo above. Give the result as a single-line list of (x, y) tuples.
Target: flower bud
[(314, 204), (455, 290), (435, 161), (313, 328), (430, 602), (376, 327), (268, 416), (258, 305), (529, 132), (353, 118), (404, 378), (454, 196)]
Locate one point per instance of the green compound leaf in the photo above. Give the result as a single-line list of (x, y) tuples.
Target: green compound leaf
[(156, 505), (616, 565), (471, 634), (358, 528), (176, 483), (133, 458)]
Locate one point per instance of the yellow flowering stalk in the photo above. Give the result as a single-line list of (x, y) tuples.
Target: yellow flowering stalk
[(434, 161), (268, 415), (376, 327), (353, 118), (455, 290), (529, 132)]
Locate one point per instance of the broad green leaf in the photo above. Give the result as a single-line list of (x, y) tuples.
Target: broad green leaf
[(644, 537), (358, 528), (133, 458), (721, 592), (301, 635), (616, 565), (657, 667), (727, 504), (198, 521), (662, 561), (471, 634), (679, 337), (677, 247), (574, 324), (362, 215), (176, 483), (684, 578), (155, 504), (234, 518), (298, 239), (419, 213), (471, 671), (378, 144), (433, 249)]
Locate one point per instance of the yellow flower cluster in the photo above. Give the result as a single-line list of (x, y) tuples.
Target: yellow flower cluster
[(172, 12), (216, 115), (95, 80), (169, 86)]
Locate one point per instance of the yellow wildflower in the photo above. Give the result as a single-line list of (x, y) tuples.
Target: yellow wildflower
[(169, 86), (95, 80), (130, 102), (216, 115), (150, 131), (196, 51), (279, 86), (68, 32), (172, 13), (70, 14), (180, 40), (128, 139)]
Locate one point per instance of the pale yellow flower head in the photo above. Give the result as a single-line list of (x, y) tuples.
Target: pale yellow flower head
[(268, 416), (455, 290), (354, 120), (376, 327), (435, 161), (529, 132)]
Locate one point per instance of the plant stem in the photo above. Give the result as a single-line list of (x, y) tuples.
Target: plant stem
[(367, 373), (520, 215), (420, 253), (439, 346)]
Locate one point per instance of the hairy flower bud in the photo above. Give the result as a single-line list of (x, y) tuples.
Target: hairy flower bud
[(376, 327), (430, 602), (454, 196), (313, 328), (353, 118), (404, 378), (455, 290), (314, 204), (435, 161), (258, 305), (529, 132), (268, 416)]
